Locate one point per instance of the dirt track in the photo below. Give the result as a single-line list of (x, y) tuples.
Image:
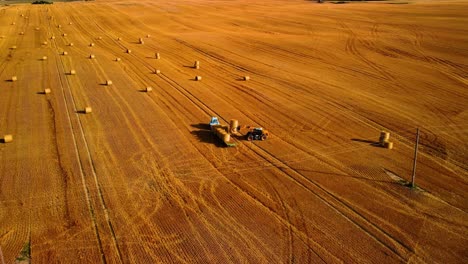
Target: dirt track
[(141, 180)]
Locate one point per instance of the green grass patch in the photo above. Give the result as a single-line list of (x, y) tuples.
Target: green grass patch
[(25, 253)]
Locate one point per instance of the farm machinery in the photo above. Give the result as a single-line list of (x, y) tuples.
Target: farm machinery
[(225, 132)]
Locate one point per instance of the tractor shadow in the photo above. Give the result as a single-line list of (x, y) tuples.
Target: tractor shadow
[(370, 142)]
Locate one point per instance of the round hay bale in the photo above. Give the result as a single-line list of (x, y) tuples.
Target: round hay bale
[(91, 44), (92, 56), (99, 37), (108, 82), (45, 43), (44, 58), (72, 72), (388, 145), (64, 34), (38, 28), (246, 78), (14, 78), (129, 51), (7, 138), (13, 47), (197, 65), (119, 39), (157, 55), (142, 42), (384, 137), (147, 36), (53, 37), (22, 15), (70, 44), (70, 23), (59, 26), (233, 124), (198, 78), (21, 33), (227, 137), (64, 53), (88, 110), (157, 71), (13, 23), (148, 89), (118, 59), (47, 91)]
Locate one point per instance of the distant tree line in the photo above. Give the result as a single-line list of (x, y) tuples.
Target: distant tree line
[(42, 2)]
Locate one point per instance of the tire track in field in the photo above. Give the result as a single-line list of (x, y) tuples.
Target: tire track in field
[(124, 107), (198, 201), (78, 23), (351, 48), (371, 224), (453, 70), (206, 109), (141, 79), (97, 182), (288, 219), (168, 79), (340, 206), (46, 80), (71, 102), (289, 84)]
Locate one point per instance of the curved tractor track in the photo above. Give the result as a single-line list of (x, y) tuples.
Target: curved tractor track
[(141, 179)]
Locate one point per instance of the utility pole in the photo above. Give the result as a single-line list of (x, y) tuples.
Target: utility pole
[(415, 158)]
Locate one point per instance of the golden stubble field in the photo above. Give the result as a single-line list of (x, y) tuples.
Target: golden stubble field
[(141, 180)]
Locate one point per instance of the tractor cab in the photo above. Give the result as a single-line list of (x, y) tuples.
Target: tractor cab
[(214, 121)]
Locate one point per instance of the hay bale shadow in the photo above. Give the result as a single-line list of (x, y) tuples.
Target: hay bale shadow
[(83, 112), (203, 126), (370, 142), (204, 134)]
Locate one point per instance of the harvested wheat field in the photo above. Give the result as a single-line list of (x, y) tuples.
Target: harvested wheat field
[(100, 169)]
